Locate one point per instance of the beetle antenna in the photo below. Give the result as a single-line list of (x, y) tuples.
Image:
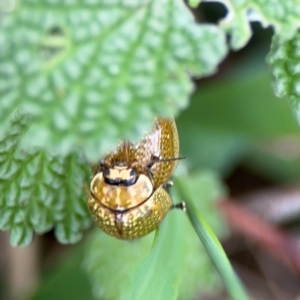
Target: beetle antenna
[(170, 159), (157, 159)]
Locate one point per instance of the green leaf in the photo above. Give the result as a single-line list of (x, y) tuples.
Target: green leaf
[(212, 246), (97, 72), (109, 261), (133, 270), (281, 14), (21, 235), (163, 264), (284, 59), (40, 191)]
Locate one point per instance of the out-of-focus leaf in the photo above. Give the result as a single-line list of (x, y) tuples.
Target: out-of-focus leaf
[(65, 279), (163, 265), (7, 6), (278, 160), (227, 118), (194, 3), (40, 191), (284, 59), (109, 262), (94, 72), (115, 266)]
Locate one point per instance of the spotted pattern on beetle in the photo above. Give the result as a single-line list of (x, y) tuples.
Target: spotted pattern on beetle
[(126, 196)]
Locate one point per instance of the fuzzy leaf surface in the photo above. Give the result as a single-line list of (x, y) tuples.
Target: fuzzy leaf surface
[(94, 72), (284, 59), (283, 15), (40, 191)]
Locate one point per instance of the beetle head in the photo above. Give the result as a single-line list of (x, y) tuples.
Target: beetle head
[(120, 174)]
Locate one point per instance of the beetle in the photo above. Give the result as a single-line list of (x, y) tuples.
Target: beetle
[(127, 195)]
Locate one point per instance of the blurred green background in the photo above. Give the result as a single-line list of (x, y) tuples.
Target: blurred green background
[(234, 122)]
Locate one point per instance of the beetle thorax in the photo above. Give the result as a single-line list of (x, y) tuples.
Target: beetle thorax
[(121, 187)]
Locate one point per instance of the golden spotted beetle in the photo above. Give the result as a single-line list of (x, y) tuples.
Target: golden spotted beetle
[(127, 195)]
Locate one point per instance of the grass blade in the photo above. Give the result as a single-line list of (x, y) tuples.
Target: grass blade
[(214, 249)]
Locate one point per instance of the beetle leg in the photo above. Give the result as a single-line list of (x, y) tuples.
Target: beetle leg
[(180, 205), (167, 185)]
